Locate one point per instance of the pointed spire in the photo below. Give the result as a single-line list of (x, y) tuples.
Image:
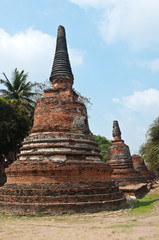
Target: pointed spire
[(116, 130), (61, 66)]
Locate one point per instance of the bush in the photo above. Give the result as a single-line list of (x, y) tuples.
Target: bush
[(103, 144)]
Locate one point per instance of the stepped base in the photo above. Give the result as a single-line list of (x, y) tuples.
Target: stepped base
[(63, 208), (136, 191), (54, 188), (59, 200), (127, 180), (124, 173)]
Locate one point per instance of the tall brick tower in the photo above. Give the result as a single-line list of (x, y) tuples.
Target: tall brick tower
[(59, 167)]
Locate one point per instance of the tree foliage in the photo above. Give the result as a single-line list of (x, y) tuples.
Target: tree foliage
[(150, 149), (14, 125), (16, 108), (18, 88), (103, 144)]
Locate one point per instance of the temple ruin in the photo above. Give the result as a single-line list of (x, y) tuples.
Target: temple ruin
[(119, 158), (59, 168), (140, 166)]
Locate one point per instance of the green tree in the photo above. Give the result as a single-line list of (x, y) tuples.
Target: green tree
[(103, 144), (18, 88), (14, 126), (150, 149)]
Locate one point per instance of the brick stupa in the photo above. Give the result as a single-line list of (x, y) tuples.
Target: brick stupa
[(120, 160), (59, 168), (140, 166)]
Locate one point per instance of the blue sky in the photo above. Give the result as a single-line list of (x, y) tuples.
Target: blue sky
[(114, 52)]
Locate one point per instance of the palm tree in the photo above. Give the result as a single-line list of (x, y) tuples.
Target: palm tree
[(18, 88)]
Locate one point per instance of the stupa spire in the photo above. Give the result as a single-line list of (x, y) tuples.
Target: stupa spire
[(116, 130), (61, 68)]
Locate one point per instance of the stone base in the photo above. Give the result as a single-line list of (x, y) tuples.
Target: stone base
[(77, 199), (136, 191), (52, 188), (129, 180)]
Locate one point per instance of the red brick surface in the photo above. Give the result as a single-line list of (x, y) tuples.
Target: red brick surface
[(120, 160), (59, 167), (140, 166)]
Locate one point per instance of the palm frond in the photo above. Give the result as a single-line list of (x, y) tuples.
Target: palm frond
[(19, 88), (7, 83), (17, 79), (7, 94)]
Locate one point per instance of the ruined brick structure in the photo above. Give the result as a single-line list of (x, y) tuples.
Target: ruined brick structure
[(59, 167), (140, 166), (120, 160)]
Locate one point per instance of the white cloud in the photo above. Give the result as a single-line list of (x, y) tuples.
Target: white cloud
[(135, 113), (32, 51), (152, 65), (146, 101), (133, 21)]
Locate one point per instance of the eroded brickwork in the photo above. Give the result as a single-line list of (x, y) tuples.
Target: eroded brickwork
[(60, 112), (119, 158), (140, 166), (59, 167)]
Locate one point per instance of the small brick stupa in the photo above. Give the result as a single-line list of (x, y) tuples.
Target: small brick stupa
[(140, 166), (120, 160), (59, 168)]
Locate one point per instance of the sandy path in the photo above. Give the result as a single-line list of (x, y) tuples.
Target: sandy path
[(93, 226)]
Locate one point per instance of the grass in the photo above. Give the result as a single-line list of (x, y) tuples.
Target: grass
[(146, 204)]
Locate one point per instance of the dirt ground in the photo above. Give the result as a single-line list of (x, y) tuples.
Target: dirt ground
[(127, 224)]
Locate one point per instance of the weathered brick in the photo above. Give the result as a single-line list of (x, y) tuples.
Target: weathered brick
[(140, 166), (119, 158), (59, 168)]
